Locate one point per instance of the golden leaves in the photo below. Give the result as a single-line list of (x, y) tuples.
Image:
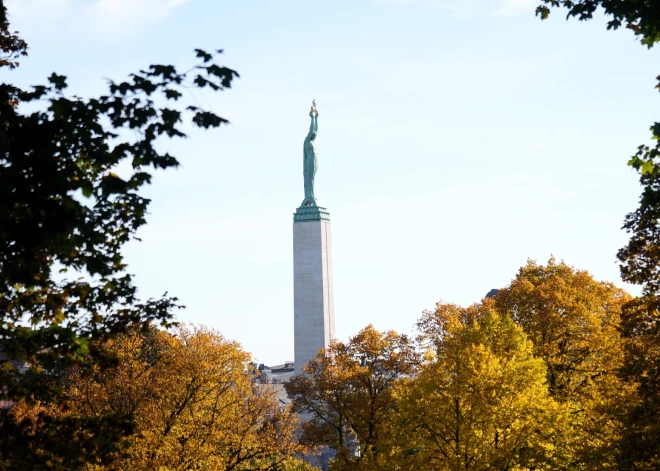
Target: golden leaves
[(347, 398), (573, 321), (194, 401), (525, 381), (481, 402)]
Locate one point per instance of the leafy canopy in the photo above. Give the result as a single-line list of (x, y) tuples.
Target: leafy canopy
[(640, 16), (348, 395), (194, 401), (574, 324), (65, 214), (480, 401)]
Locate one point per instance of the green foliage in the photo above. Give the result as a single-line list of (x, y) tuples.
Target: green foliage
[(640, 16), (640, 264), (11, 46), (65, 215), (640, 258)]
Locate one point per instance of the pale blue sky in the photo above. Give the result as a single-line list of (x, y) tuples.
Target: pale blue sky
[(457, 138)]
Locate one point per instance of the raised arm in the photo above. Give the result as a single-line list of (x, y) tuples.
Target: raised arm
[(313, 126)]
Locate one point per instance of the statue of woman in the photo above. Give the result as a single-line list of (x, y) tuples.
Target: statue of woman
[(310, 159)]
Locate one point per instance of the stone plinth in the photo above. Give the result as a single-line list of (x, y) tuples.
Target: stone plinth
[(311, 213), (313, 306)]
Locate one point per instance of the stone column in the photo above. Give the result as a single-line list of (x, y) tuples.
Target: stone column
[(313, 306)]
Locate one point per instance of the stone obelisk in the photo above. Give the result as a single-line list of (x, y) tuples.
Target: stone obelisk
[(313, 303)]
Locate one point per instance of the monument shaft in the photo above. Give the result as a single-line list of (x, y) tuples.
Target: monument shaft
[(314, 316)]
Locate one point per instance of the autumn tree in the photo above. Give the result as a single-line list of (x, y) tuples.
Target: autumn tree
[(480, 400), (65, 214), (296, 464), (346, 398), (573, 322), (194, 401)]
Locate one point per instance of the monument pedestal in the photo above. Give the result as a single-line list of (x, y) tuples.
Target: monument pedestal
[(313, 306)]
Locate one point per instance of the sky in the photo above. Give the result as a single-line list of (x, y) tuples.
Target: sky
[(457, 139)]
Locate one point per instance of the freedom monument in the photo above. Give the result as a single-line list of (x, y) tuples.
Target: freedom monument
[(313, 301)]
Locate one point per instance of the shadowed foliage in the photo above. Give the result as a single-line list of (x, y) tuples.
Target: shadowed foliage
[(640, 16), (65, 214)]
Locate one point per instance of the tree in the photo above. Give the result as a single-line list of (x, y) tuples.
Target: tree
[(640, 447), (346, 398), (296, 465), (64, 211), (640, 258), (573, 322), (480, 401), (640, 265), (642, 17), (194, 401), (11, 45)]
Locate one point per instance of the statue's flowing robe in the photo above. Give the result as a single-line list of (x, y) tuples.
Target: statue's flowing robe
[(310, 166)]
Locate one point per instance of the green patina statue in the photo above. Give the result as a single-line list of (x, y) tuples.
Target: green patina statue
[(310, 157), (309, 210)]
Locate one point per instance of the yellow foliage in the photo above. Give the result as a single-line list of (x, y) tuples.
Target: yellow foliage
[(194, 402), (346, 398), (573, 321), (481, 401)]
